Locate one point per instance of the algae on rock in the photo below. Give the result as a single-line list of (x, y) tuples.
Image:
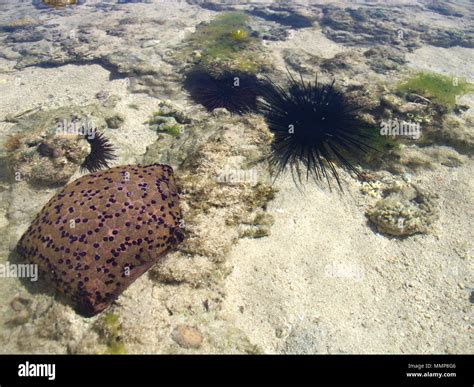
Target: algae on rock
[(46, 159), (406, 159), (109, 329), (48, 147), (226, 43), (457, 131), (439, 88), (218, 211), (168, 119)]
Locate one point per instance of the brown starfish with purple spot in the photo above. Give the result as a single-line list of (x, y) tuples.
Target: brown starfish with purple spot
[(102, 231)]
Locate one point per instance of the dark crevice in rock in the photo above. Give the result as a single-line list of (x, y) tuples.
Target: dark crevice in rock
[(110, 67)]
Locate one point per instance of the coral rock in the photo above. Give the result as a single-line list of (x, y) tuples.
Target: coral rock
[(407, 210), (49, 160)]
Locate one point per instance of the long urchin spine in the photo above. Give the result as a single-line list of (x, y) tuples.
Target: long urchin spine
[(314, 127), (102, 152)]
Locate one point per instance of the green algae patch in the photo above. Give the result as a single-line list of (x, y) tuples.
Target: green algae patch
[(116, 348), (379, 145), (438, 88), (227, 42), (226, 34), (109, 330), (172, 129)]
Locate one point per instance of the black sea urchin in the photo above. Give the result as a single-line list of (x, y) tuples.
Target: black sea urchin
[(102, 151), (314, 127), (235, 91)]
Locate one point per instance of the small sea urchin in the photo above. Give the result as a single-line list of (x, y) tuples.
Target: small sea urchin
[(102, 151), (314, 127), (235, 91)]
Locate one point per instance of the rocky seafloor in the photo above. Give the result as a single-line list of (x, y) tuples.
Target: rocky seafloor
[(263, 268)]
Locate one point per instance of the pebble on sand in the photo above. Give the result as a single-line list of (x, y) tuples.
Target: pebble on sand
[(187, 336)]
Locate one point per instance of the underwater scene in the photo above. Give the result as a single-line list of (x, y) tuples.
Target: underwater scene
[(236, 177)]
